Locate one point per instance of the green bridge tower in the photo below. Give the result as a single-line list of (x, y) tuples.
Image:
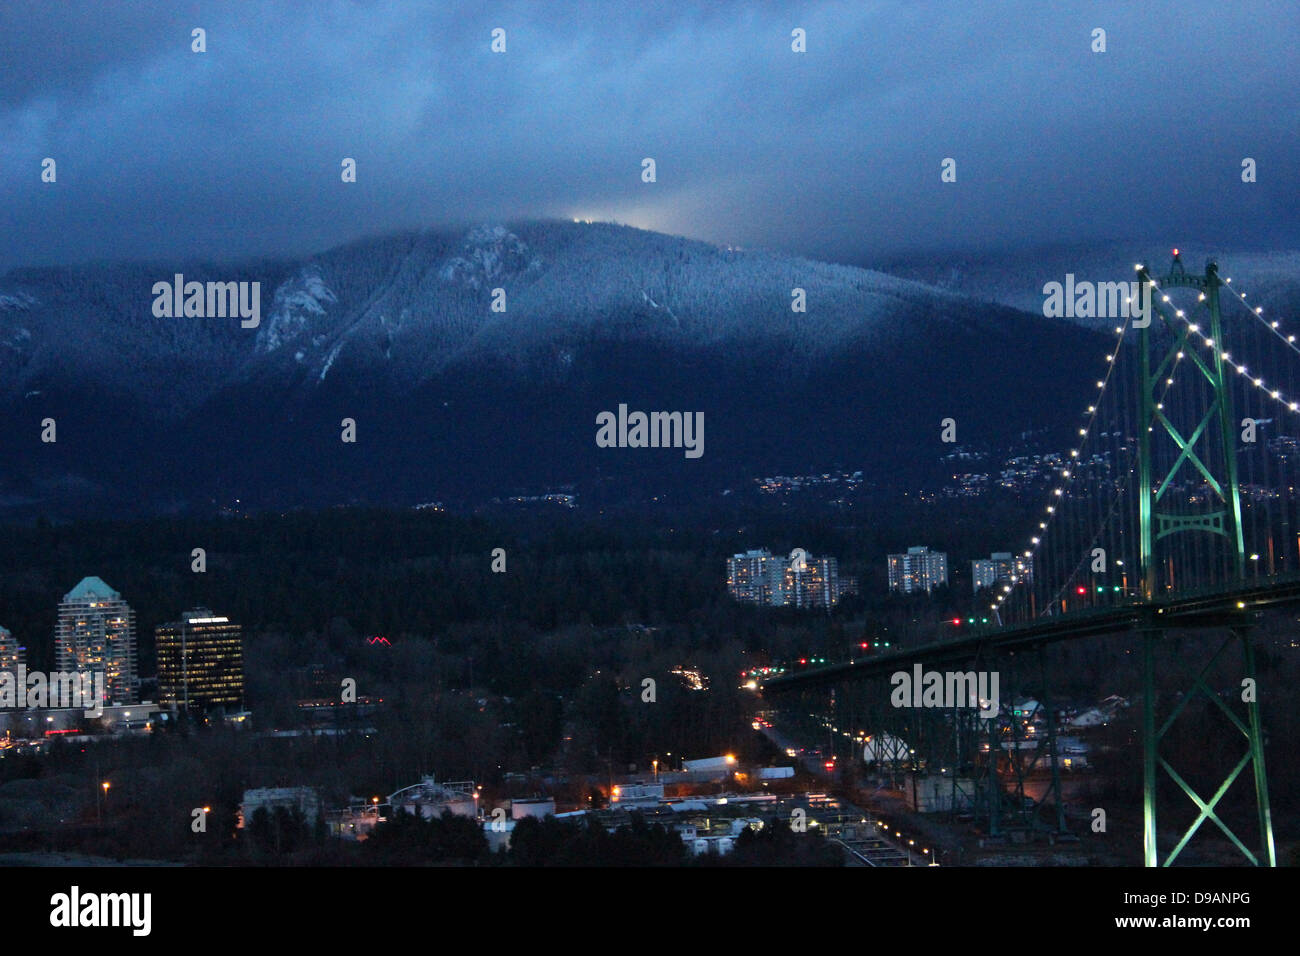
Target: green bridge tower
[(1216, 427)]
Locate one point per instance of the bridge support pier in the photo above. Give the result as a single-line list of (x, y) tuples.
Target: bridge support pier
[(1150, 852), (1053, 747), (1250, 728), (1256, 738)]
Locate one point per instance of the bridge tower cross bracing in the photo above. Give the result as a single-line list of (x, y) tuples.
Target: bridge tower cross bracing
[(1216, 426)]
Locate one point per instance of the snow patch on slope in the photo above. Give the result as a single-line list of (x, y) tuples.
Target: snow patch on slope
[(16, 337), (645, 297), (16, 300), (488, 254), (329, 361), (296, 303)]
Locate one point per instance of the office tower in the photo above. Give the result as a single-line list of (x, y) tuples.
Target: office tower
[(919, 570), (96, 632), (201, 663)]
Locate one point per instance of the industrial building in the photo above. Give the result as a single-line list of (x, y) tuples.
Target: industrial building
[(429, 798), (303, 799), (637, 795)]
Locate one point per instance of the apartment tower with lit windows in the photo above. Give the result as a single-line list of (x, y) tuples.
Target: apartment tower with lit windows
[(919, 570), (12, 656), (96, 632)]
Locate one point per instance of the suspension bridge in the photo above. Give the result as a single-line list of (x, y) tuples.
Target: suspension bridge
[(1174, 514)]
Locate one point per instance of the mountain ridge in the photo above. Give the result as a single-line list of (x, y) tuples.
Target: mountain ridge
[(453, 398)]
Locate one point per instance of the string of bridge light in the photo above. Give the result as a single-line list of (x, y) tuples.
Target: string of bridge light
[(1067, 473), (1044, 526), (1084, 558), (1258, 313), (1159, 406), (1193, 328)]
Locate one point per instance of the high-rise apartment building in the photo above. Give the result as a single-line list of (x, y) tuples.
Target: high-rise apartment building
[(816, 583), (201, 663), (919, 570), (1001, 568), (759, 577), (11, 654), (96, 632), (754, 577)]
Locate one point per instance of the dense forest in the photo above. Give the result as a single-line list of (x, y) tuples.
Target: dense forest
[(529, 680)]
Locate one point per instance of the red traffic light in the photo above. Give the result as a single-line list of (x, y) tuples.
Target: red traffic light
[(1082, 590)]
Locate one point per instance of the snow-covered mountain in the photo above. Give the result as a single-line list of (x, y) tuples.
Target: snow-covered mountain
[(1270, 277), (476, 360), (407, 306)]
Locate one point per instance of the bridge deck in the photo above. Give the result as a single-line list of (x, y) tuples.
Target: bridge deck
[(1217, 608)]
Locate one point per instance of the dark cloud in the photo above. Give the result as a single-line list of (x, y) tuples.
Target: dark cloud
[(833, 153)]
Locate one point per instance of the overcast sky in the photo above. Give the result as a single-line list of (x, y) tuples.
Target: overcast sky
[(834, 153)]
